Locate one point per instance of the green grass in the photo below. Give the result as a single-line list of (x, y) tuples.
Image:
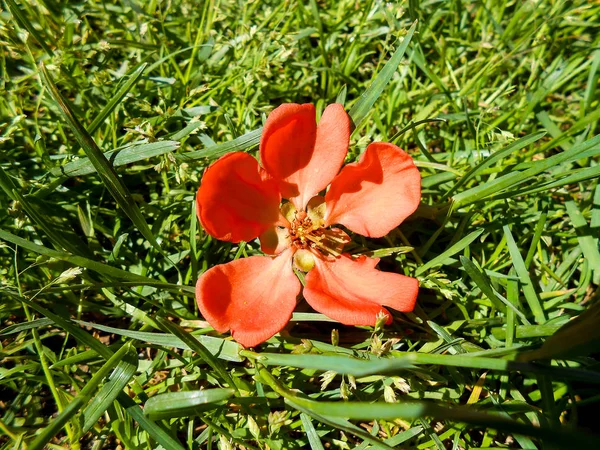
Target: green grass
[(110, 112)]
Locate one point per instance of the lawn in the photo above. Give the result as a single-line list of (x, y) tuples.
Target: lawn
[(110, 114)]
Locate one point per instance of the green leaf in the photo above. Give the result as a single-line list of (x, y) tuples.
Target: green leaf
[(186, 403), (58, 230), (587, 241), (482, 283), (341, 424), (78, 261), (28, 25), (223, 349)]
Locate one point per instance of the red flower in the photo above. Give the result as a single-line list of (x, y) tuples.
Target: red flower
[(239, 201)]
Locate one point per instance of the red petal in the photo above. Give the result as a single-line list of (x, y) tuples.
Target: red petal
[(353, 291), (236, 202), (374, 195), (253, 297), (302, 157)]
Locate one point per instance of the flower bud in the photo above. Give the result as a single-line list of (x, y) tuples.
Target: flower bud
[(304, 260)]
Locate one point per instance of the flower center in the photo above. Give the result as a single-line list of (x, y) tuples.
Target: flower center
[(304, 233), (308, 233)]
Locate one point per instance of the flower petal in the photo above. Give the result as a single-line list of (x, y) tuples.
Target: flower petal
[(236, 201), (352, 291), (253, 297), (374, 195), (300, 155)]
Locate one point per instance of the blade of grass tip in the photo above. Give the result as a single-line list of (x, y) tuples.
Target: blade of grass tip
[(537, 235), (186, 403), (197, 346), (112, 181), (528, 289), (341, 97), (495, 157), (362, 107), (459, 246), (80, 400), (123, 373), (313, 438), (419, 409), (587, 241), (155, 430)]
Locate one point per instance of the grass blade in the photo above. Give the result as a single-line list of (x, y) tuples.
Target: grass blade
[(123, 373), (313, 438), (587, 241), (153, 429), (185, 404), (524, 172), (482, 283), (111, 180), (118, 158), (440, 259), (75, 260), (244, 142), (197, 346), (416, 410), (495, 157), (528, 290), (363, 106), (408, 360), (80, 400), (116, 99), (578, 337), (58, 231)]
